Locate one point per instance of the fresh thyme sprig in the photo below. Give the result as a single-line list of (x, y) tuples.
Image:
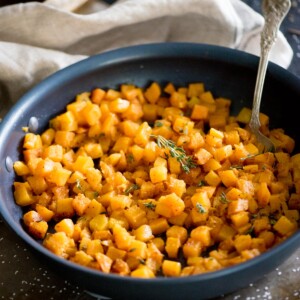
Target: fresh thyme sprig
[(186, 162)]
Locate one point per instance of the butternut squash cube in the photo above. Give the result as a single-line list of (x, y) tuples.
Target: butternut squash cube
[(199, 112), (119, 105), (135, 216), (59, 176), (45, 213), (226, 232), (60, 244), (38, 229), (97, 95), (143, 233), (80, 204), (38, 184), (142, 272), (32, 141), (203, 156), (284, 226), (178, 99), (223, 153), (183, 125), (231, 137), (66, 225), (202, 234), (169, 206), (48, 136), (31, 216), (150, 112), (158, 174), (94, 208), (169, 88), (172, 246), (104, 262), (240, 219), (99, 222), (179, 232), (134, 112), (64, 207), (83, 163), (212, 178), (137, 249), (211, 164), (94, 247), (195, 89), (263, 194), (217, 121), (115, 253), (142, 135), (64, 138), (236, 206), (171, 268), (91, 113), (122, 237), (21, 168), (228, 177), (242, 242), (153, 92), (244, 115), (159, 225), (23, 193), (67, 121), (192, 248), (178, 220)]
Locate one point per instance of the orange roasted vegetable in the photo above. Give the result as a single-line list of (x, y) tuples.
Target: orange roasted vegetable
[(137, 181)]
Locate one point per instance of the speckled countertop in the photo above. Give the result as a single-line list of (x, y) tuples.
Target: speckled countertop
[(24, 276)]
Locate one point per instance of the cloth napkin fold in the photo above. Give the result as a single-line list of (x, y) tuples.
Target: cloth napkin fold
[(37, 39)]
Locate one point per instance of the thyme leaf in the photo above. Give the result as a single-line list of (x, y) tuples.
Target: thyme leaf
[(150, 205), (223, 198), (201, 183), (250, 230), (158, 124), (130, 189), (78, 185), (200, 208), (272, 219), (130, 158)]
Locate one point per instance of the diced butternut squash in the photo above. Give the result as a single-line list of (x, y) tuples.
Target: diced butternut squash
[(169, 206), (146, 181)]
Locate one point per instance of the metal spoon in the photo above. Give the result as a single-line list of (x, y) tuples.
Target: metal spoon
[(274, 12)]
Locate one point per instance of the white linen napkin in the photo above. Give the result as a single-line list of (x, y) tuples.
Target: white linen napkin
[(37, 39)]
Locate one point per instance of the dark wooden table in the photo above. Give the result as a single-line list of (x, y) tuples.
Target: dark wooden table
[(24, 276)]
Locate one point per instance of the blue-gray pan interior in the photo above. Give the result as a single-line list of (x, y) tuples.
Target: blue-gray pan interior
[(226, 72)]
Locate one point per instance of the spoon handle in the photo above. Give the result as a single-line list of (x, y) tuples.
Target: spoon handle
[(274, 12)]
